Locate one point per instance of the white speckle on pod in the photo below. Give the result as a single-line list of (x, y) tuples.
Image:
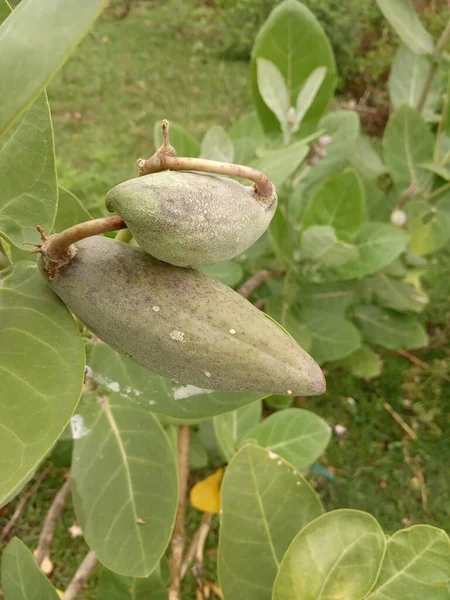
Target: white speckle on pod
[(272, 455), (177, 335), (208, 374), (289, 392), (232, 331), (156, 308)]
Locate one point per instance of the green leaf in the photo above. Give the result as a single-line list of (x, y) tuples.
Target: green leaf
[(334, 297), (429, 226), (438, 170), (280, 164), (407, 79), (70, 211), (416, 565), (264, 504), (338, 203), (366, 159), (158, 394), (391, 329), (198, 455), (232, 427), (378, 244), (228, 272), (125, 484), (333, 336), (363, 363), (307, 95), (42, 370), (297, 435), (280, 237), (277, 402), (320, 244), (112, 586), (21, 577), (403, 18), (407, 143), (184, 143), (399, 295), (279, 42), (336, 556), (28, 175), (289, 317), (217, 145), (35, 41), (247, 135), (273, 91), (343, 127)]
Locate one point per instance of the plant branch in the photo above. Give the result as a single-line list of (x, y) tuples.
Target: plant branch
[(22, 502), (200, 550), (440, 47), (79, 579), (178, 537), (165, 158), (247, 288), (48, 530), (406, 196)]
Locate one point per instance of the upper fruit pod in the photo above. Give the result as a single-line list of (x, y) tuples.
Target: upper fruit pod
[(191, 219)]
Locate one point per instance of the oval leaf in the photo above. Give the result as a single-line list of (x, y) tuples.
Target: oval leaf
[(366, 159), (396, 294), (279, 42), (228, 272), (416, 565), (273, 90), (35, 41), (333, 297), (297, 435), (320, 245), (363, 363), (112, 586), (42, 369), (280, 164), (28, 175), (125, 484), (247, 135), (307, 95), (21, 577), (336, 556), (71, 211), (216, 145), (333, 336), (391, 329), (264, 504), (429, 226), (289, 317), (158, 394), (403, 18), (232, 427)]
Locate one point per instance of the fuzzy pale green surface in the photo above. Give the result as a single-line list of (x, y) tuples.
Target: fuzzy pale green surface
[(181, 323), (188, 219)]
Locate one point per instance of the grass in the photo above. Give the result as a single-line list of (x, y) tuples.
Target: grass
[(160, 63)]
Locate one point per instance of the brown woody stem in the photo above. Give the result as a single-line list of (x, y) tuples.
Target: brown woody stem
[(248, 287), (51, 520), (165, 158), (87, 566)]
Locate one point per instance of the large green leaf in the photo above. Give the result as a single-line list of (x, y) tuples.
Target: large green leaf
[(396, 294), (338, 203), (42, 369), (158, 394), (363, 362), (297, 435), (390, 329), (232, 427), (429, 226), (35, 41), (217, 145), (407, 143), (112, 586), (408, 75), (29, 192), (416, 565), (280, 164), (289, 317), (70, 211), (273, 90), (366, 159), (279, 42), (307, 95), (280, 235), (333, 336), (264, 504), (183, 142), (378, 244), (343, 127), (333, 296), (21, 577), (320, 245), (403, 18), (336, 556), (228, 272), (247, 135), (125, 484)]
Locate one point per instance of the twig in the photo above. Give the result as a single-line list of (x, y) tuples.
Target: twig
[(126, 10), (216, 589), (22, 502), (440, 47), (422, 364), (198, 568), (418, 473), (260, 304), (178, 537), (412, 434), (406, 196), (256, 280), (190, 554), (165, 158), (48, 530), (79, 579)]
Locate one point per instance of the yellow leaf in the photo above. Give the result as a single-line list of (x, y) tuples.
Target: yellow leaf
[(414, 279), (205, 495)]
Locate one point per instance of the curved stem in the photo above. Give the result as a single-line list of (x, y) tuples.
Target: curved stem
[(87, 566), (440, 47)]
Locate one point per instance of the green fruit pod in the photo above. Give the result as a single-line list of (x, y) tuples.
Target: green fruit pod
[(190, 219), (180, 323)]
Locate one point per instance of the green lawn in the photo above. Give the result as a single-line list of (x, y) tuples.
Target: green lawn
[(162, 63)]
